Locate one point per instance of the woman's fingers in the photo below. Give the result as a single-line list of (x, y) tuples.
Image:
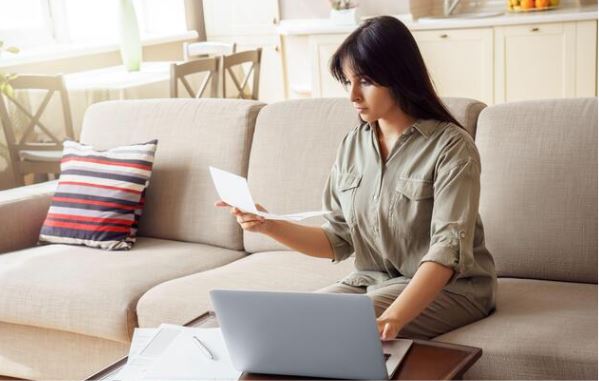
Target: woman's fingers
[(250, 225), (388, 330), (261, 208), (248, 221), (388, 333), (248, 217)]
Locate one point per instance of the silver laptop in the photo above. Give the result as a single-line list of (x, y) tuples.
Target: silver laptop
[(303, 334)]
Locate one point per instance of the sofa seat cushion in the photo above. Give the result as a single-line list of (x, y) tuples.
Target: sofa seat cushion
[(94, 292), (181, 300), (540, 330)]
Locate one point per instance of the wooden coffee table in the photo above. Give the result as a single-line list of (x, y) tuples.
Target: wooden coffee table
[(426, 360)]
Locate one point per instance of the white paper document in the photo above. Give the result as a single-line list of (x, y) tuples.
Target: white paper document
[(170, 353), (186, 360), (234, 190)]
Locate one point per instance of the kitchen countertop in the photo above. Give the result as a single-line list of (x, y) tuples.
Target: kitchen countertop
[(561, 14)]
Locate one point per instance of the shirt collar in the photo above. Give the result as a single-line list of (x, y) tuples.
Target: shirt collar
[(426, 127)]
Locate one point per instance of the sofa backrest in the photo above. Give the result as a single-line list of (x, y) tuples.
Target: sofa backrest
[(294, 148), (539, 188), (192, 134)]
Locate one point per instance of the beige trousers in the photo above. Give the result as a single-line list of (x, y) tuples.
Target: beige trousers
[(447, 312)]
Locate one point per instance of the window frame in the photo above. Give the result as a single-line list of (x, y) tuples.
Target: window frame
[(55, 36)]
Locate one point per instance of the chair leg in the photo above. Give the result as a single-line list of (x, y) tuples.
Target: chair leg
[(19, 179), (40, 178)]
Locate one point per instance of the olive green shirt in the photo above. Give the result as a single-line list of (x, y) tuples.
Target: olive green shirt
[(420, 205)]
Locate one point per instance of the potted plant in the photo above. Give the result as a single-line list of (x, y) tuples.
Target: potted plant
[(5, 78), (343, 12)]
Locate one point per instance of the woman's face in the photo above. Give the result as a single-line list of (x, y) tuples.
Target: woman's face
[(372, 102)]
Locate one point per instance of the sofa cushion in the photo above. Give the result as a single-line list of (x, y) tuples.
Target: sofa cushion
[(99, 198), (466, 111), (181, 300), (27, 207), (92, 292), (539, 188), (34, 353), (307, 133), (540, 330), (193, 134)]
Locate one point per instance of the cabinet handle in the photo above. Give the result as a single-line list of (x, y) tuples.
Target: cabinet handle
[(535, 29), (277, 48), (443, 35), (275, 21)]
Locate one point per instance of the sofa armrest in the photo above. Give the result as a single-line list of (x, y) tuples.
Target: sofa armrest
[(22, 213)]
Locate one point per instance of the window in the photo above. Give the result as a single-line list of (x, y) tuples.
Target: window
[(25, 22), (159, 17), (30, 23)]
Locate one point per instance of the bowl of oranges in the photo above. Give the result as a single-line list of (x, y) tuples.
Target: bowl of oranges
[(531, 5)]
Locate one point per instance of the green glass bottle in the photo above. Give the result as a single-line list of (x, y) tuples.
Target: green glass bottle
[(130, 42)]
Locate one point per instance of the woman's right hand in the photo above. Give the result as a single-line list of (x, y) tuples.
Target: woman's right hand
[(248, 221)]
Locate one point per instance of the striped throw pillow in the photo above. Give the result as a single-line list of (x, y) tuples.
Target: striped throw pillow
[(100, 195)]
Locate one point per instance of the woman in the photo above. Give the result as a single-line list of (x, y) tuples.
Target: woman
[(404, 193)]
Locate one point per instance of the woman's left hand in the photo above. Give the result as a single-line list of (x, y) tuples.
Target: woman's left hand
[(388, 327)]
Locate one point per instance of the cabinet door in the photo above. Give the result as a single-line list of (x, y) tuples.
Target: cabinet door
[(586, 58), (459, 61), (322, 48), (240, 17), (535, 62), (272, 86)]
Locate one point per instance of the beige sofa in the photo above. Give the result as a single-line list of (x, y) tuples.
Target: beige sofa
[(67, 311)]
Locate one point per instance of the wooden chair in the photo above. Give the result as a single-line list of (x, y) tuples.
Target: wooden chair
[(27, 155), (179, 72), (207, 49), (230, 61)]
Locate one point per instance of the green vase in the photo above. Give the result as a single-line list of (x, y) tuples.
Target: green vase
[(129, 32)]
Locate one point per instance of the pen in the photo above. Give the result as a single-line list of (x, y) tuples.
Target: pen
[(203, 348)]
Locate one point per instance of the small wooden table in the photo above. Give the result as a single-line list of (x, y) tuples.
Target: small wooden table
[(426, 360)]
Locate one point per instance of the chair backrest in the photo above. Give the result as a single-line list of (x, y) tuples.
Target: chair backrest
[(229, 62), (308, 145), (52, 85), (207, 48), (17, 141), (179, 72), (539, 188)]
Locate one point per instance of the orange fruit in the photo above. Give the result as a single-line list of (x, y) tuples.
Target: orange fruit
[(542, 3), (527, 4)]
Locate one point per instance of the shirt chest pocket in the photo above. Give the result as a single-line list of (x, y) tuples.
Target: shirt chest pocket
[(411, 208), (348, 183)]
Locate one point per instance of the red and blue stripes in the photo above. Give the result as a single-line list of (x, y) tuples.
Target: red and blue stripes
[(100, 196)]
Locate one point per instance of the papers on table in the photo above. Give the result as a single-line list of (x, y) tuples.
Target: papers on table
[(234, 190), (170, 352)]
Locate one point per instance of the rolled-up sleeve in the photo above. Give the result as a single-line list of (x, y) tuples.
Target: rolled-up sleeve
[(455, 210), (336, 228)]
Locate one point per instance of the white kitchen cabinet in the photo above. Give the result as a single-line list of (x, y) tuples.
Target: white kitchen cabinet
[(272, 86), (541, 61), (586, 59), (459, 61), (240, 17), (491, 63), (322, 47)]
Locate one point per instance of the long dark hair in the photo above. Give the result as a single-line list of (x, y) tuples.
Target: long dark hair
[(383, 50)]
